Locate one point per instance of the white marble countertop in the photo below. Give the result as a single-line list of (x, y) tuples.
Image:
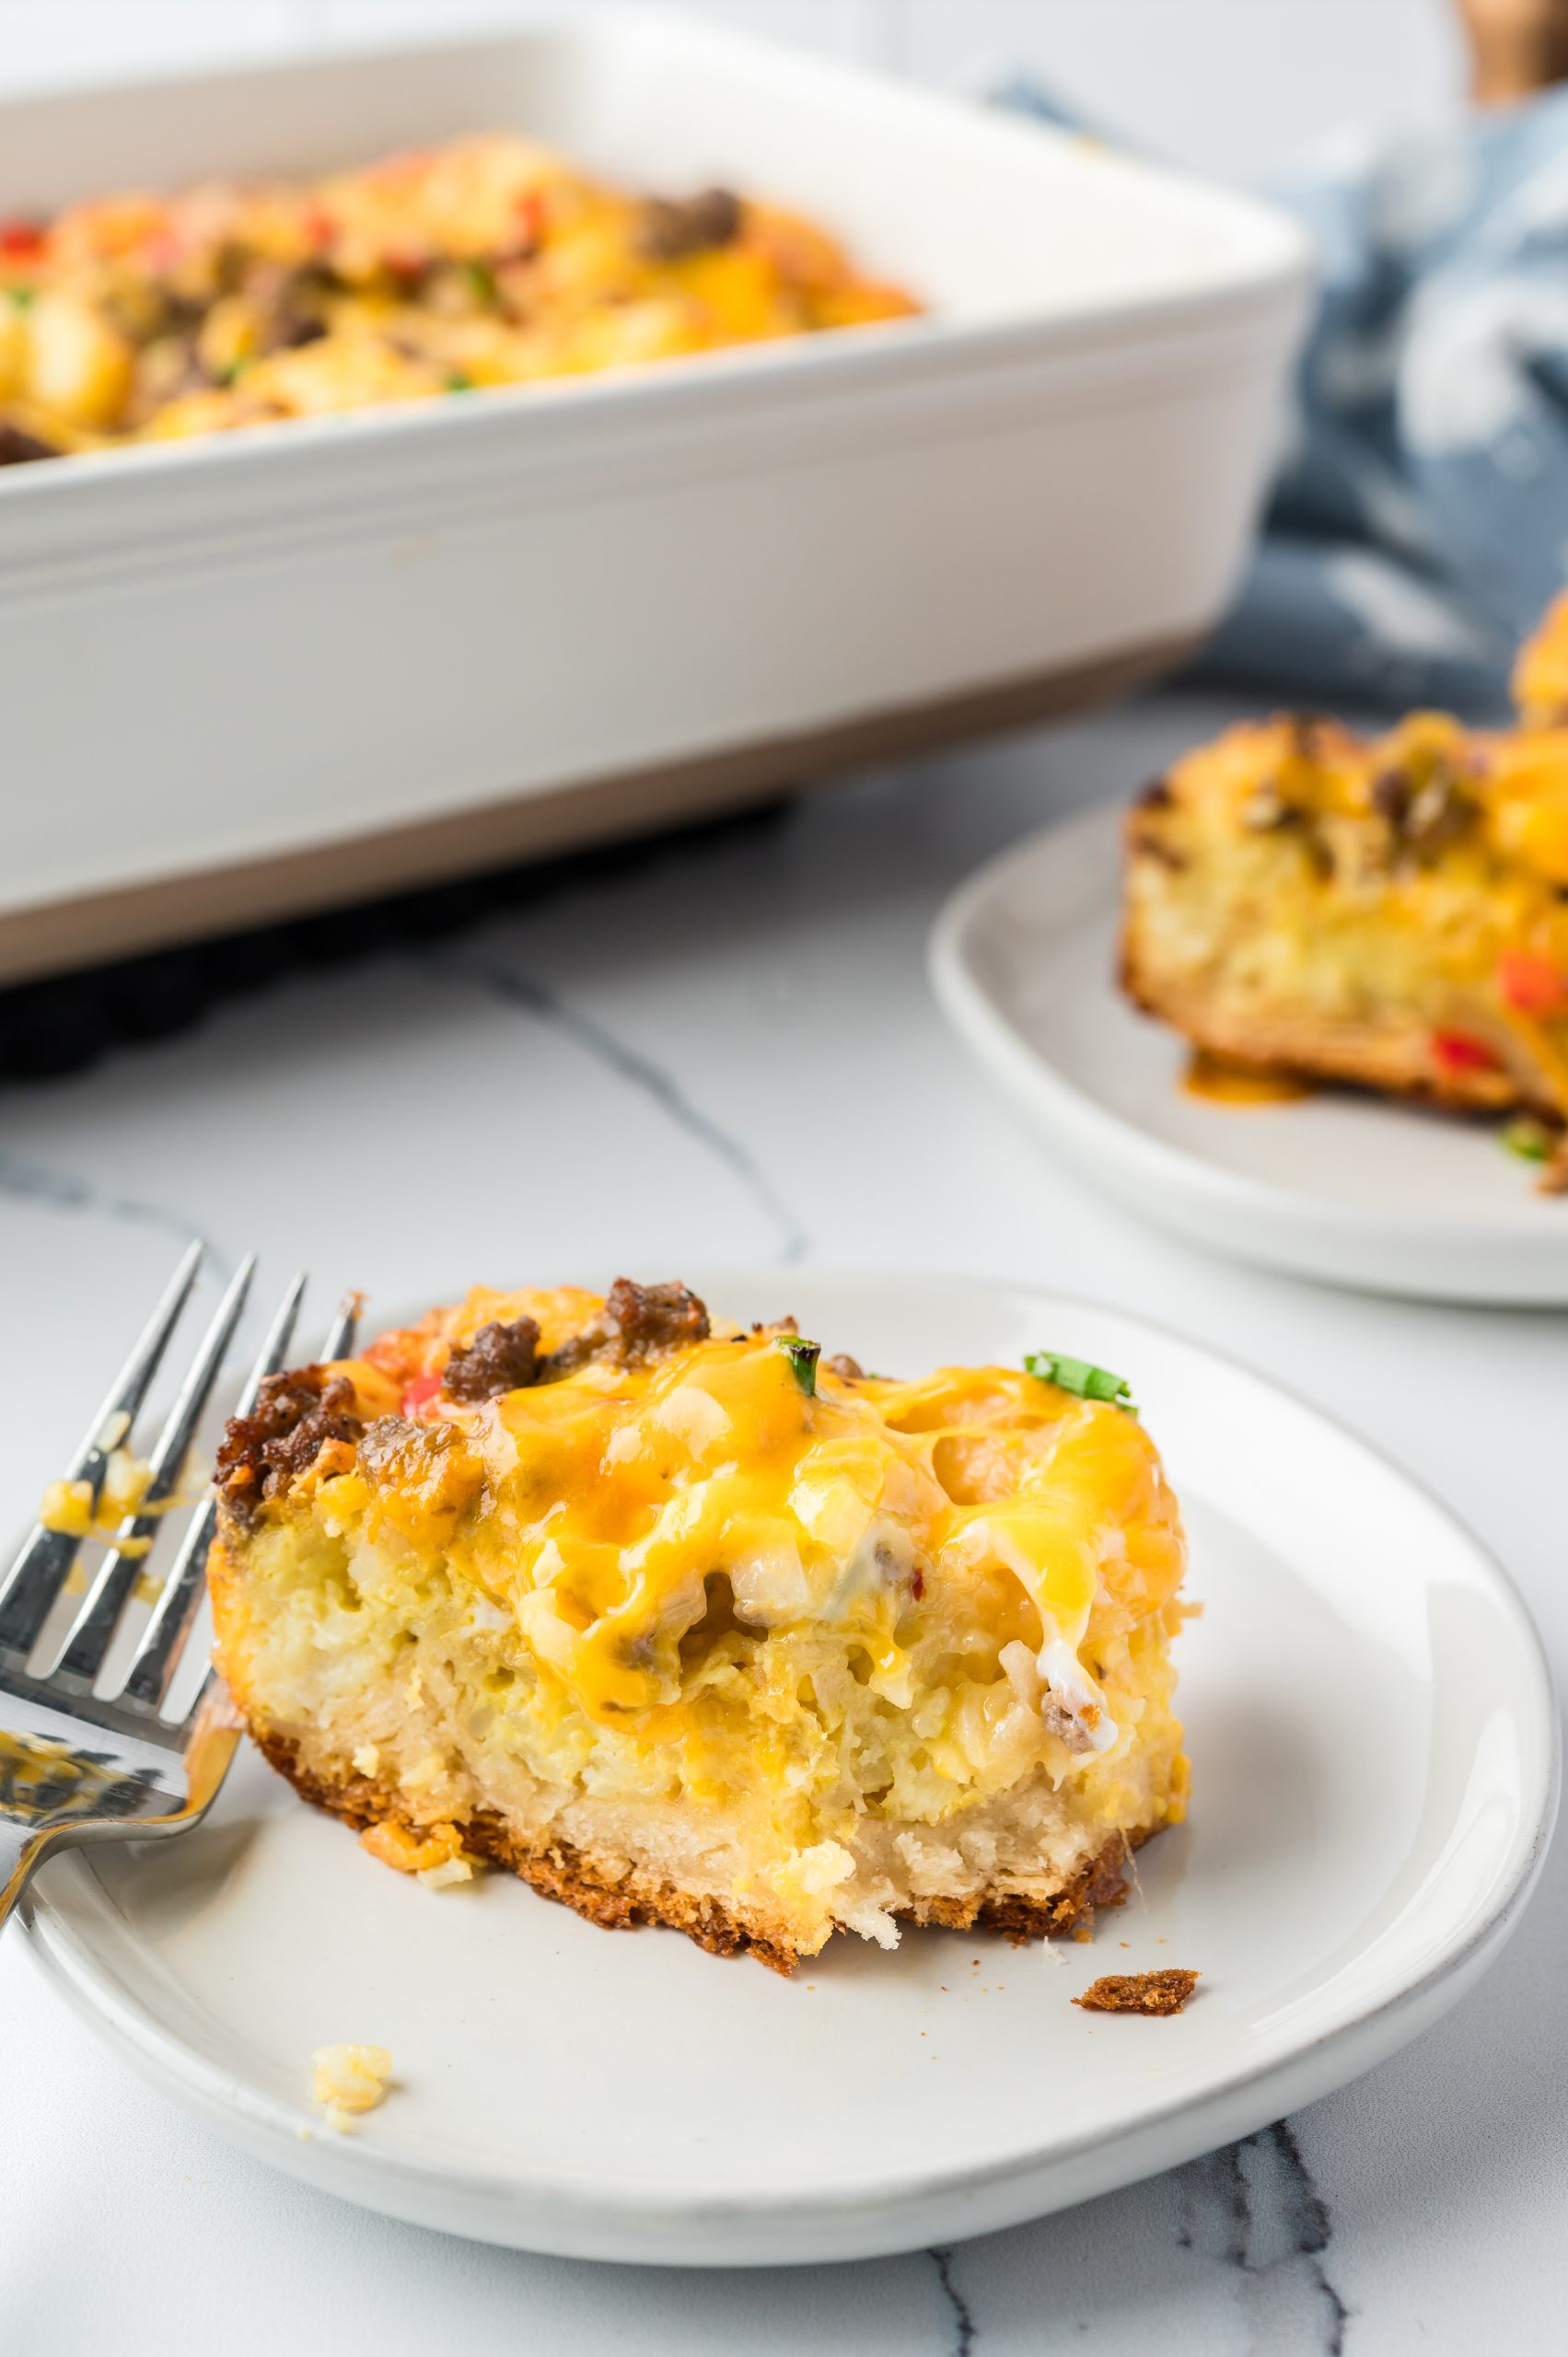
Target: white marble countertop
[(743, 1025)]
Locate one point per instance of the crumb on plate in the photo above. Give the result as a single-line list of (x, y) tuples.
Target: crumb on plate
[(349, 2080), (1164, 1992), (436, 1857), (447, 1871)]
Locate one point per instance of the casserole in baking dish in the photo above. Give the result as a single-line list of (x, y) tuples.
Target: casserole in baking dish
[(152, 316), (258, 672)]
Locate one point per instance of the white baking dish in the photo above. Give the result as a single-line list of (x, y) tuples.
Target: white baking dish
[(285, 667)]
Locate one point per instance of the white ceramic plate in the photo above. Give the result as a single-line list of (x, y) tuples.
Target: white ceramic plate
[(1347, 1188), (1372, 1746)]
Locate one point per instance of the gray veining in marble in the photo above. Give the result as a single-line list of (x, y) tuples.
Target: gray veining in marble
[(67, 1190), (731, 1053), (640, 1072)]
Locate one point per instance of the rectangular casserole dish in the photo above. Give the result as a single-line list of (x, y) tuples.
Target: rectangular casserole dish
[(296, 665)]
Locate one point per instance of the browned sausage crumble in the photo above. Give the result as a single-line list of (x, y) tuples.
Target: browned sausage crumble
[(639, 1323), (297, 1414), (294, 1415), (652, 1320), (17, 448), (669, 229), (500, 1358)]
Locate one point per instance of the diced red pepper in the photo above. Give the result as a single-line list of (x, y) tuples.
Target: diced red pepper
[(320, 225), (19, 239), (1456, 1051), (420, 1392), (1530, 984), (529, 209)]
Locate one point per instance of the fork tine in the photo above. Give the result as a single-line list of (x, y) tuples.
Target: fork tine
[(340, 1336), (91, 1633), (163, 1641), (31, 1585)]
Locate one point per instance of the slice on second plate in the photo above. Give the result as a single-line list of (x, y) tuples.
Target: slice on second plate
[(687, 1624), (1390, 911)]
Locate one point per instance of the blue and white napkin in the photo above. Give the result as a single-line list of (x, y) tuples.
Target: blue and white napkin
[(1419, 522)]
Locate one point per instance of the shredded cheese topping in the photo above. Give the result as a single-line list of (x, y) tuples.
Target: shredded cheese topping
[(620, 1512)]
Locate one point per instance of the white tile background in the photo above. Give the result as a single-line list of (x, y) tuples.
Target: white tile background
[(1234, 86)]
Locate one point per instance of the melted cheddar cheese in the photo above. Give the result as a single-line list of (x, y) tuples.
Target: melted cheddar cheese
[(614, 1500), (601, 1510)]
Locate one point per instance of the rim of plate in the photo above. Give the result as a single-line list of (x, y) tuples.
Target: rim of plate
[(977, 1016), (67, 1953)]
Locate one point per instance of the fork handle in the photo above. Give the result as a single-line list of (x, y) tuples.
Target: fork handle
[(23, 1850)]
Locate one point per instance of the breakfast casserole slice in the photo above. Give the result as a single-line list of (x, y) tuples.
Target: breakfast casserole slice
[(1391, 911), (687, 1625)]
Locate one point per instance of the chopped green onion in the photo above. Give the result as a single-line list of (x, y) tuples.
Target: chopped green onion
[(22, 297), (803, 1358), (482, 281), (457, 382), (233, 372), (1531, 1141), (1084, 1382)]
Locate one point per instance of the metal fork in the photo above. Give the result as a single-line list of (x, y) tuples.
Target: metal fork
[(78, 1766)]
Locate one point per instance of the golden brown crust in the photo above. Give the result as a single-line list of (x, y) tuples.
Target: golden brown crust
[(1161, 1993), (1102, 1882), (1290, 1042), (620, 1901)]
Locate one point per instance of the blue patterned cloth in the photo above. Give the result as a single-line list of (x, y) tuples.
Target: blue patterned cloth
[(1419, 522)]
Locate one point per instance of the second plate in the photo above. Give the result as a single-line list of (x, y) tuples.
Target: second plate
[(1360, 1193)]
